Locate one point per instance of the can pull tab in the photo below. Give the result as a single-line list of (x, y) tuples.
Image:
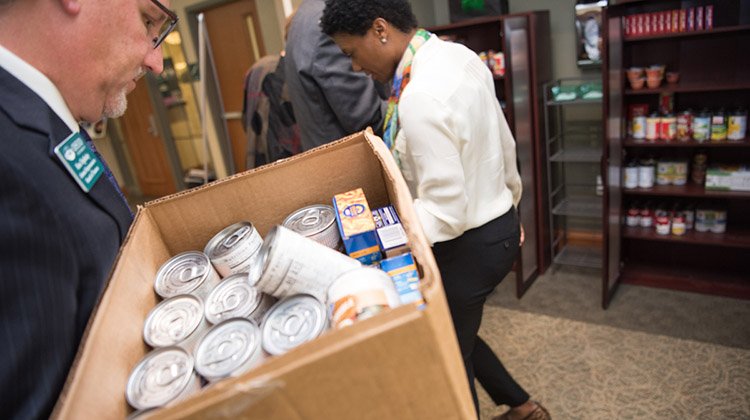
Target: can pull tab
[(170, 373), (192, 273), (236, 237), (294, 323), (226, 349), (311, 219)]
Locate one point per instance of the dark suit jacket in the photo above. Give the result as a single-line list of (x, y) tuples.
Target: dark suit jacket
[(329, 99), (57, 246)]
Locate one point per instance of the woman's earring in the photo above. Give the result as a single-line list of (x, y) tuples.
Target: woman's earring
[(383, 40)]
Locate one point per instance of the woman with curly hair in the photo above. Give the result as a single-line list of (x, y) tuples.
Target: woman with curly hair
[(449, 136)]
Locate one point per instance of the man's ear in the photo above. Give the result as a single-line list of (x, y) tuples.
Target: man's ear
[(71, 7)]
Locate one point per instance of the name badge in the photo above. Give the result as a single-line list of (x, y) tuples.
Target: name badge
[(80, 161)]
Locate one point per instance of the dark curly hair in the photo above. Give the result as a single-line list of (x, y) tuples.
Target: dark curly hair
[(355, 17)]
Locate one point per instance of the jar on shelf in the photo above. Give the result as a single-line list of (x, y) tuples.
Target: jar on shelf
[(647, 215), (646, 173), (678, 225), (685, 125), (702, 126), (718, 126), (633, 215), (631, 175), (668, 127), (698, 169), (737, 124)]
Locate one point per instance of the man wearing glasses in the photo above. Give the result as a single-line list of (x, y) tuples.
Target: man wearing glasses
[(62, 215)]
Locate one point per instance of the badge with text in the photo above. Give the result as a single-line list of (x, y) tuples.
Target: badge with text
[(80, 161)]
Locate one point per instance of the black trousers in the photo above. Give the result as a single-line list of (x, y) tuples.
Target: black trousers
[(471, 266)]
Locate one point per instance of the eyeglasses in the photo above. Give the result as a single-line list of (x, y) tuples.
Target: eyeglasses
[(167, 26)]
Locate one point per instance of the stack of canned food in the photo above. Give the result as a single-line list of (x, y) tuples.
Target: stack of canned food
[(702, 126), (675, 218), (647, 172), (243, 299)]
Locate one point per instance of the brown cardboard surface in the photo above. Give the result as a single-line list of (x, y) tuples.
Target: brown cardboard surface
[(401, 364)]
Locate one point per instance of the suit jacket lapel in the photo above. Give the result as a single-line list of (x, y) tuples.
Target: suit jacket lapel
[(27, 109)]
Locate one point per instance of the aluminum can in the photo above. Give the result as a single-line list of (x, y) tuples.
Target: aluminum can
[(234, 249), (653, 125), (291, 322), (293, 264), (639, 127), (162, 376), (719, 224), (702, 126), (647, 217), (236, 297), (177, 321), (360, 294), (699, 18), (633, 216), (229, 348), (317, 222), (685, 125), (709, 13), (190, 272), (691, 19), (663, 225), (737, 125)]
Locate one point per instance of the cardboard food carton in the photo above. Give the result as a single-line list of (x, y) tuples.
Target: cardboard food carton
[(403, 363)]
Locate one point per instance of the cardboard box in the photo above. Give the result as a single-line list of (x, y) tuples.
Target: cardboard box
[(728, 178), (356, 226), (403, 364), (391, 235)]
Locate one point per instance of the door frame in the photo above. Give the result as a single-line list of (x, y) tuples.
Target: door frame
[(214, 105)]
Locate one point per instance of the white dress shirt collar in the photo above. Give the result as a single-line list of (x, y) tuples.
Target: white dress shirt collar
[(40, 84)]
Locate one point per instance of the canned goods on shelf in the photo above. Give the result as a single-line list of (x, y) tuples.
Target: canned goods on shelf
[(737, 125), (678, 225), (234, 249), (293, 264), (229, 348), (291, 322), (633, 217), (647, 217), (662, 225), (162, 376), (235, 297), (189, 272), (317, 222), (177, 321), (360, 294), (702, 126)]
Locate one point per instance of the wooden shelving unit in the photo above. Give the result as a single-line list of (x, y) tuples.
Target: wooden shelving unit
[(713, 74), (524, 38)]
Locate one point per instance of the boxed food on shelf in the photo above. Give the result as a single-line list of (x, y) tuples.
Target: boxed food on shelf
[(400, 361), (728, 178)]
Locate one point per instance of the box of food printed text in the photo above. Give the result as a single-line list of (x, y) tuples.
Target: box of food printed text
[(403, 363)]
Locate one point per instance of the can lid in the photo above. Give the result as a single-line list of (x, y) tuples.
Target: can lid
[(227, 347), (182, 274), (233, 297), (173, 320), (310, 220), (159, 377), (292, 322), (224, 242)]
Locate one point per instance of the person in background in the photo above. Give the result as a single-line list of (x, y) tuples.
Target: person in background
[(270, 126), (62, 215), (330, 100), (449, 136)]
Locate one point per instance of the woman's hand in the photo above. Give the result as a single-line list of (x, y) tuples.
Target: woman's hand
[(523, 235)]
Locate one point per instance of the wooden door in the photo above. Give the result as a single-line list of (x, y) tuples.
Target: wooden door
[(145, 144), (234, 32)]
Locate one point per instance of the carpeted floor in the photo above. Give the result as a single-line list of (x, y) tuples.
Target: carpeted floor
[(654, 354)]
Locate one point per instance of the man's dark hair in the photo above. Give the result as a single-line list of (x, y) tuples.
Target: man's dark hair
[(355, 17)]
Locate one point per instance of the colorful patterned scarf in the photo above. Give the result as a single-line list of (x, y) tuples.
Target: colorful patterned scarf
[(400, 80)]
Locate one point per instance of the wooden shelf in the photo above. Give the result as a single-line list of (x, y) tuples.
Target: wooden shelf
[(691, 87), (733, 237), (714, 282), (688, 190), (691, 34), (630, 142)]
